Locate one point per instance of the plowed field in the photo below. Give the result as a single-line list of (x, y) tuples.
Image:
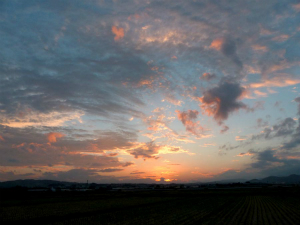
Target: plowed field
[(155, 207)]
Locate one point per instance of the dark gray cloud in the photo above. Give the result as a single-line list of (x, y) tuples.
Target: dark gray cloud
[(228, 48), (261, 123), (110, 170), (298, 101), (265, 159), (225, 129), (222, 100), (267, 163), (137, 172), (229, 147), (284, 128), (295, 138), (294, 141), (278, 163), (12, 175), (141, 180)]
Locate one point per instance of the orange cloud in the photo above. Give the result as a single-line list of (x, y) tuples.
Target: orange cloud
[(172, 99), (293, 157), (276, 82), (217, 44), (240, 138), (281, 38), (187, 118), (1, 138), (118, 32), (260, 48), (53, 136), (260, 93), (245, 154), (252, 70), (158, 125), (145, 82)]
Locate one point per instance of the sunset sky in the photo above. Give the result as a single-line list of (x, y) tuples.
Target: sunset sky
[(135, 91)]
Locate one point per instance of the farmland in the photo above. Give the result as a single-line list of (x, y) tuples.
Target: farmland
[(220, 206)]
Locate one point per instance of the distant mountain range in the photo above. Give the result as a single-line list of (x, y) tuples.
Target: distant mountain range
[(291, 179)]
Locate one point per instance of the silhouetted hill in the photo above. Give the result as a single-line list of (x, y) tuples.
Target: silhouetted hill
[(227, 181), (35, 183), (291, 179)]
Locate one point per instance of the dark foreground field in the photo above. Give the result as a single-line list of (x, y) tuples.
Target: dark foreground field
[(238, 206)]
